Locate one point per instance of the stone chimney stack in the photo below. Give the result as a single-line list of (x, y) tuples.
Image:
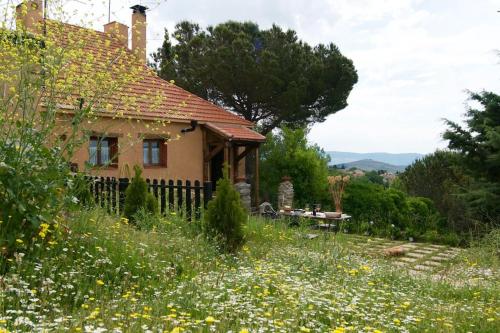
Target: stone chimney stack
[(118, 31), (139, 32), (29, 16)]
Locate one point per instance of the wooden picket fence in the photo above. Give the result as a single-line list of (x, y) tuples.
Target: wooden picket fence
[(184, 198)]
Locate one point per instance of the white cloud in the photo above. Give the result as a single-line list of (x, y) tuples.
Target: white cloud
[(415, 58)]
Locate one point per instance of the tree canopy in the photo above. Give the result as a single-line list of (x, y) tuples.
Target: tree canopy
[(288, 153), (269, 77), (479, 141)]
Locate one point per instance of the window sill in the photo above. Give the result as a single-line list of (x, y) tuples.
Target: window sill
[(149, 166), (105, 167)]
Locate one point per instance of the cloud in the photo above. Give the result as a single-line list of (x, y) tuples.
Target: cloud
[(415, 58)]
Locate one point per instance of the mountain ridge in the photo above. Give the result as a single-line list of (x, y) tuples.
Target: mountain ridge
[(395, 159), (371, 165)]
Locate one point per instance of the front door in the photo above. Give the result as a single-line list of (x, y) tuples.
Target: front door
[(216, 168)]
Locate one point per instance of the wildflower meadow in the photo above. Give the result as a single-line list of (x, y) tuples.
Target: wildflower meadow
[(103, 275)]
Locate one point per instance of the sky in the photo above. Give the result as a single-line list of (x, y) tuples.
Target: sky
[(416, 59)]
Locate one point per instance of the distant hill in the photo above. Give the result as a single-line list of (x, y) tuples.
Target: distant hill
[(371, 165), (341, 157)]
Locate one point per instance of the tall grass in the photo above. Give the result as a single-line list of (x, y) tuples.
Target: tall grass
[(106, 274)]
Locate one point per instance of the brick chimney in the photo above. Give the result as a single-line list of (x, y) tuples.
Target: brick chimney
[(139, 31), (118, 31), (29, 16)]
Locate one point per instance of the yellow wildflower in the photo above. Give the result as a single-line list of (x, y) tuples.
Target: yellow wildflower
[(177, 330), (210, 320), (100, 282)]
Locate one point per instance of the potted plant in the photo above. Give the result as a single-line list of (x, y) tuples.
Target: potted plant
[(336, 186)]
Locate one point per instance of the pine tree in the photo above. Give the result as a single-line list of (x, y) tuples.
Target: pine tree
[(225, 216), (137, 196)]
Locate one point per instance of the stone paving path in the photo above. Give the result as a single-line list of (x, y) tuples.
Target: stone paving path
[(418, 257)]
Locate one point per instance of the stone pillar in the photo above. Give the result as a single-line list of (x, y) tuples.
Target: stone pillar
[(244, 189), (285, 193)]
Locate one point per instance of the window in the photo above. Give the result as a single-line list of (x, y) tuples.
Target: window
[(154, 152), (103, 151)]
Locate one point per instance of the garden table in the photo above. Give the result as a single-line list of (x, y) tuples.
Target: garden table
[(324, 222)]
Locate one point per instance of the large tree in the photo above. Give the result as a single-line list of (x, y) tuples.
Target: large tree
[(270, 77), (478, 143)]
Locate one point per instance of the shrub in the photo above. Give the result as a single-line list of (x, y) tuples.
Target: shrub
[(152, 204), (392, 213), (137, 197), (32, 192), (225, 216), (288, 153)]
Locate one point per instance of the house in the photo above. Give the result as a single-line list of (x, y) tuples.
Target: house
[(150, 122)]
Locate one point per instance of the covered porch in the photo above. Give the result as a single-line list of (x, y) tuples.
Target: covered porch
[(230, 144)]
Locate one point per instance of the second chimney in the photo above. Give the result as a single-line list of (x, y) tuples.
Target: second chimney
[(29, 16), (118, 31), (139, 31)]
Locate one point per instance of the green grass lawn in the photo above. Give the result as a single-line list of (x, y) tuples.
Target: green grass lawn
[(104, 275)]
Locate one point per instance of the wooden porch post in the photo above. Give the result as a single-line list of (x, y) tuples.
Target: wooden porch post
[(231, 162), (205, 154), (257, 199), (226, 156), (236, 162)]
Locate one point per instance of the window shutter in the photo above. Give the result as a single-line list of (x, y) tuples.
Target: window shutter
[(163, 153), (113, 150)]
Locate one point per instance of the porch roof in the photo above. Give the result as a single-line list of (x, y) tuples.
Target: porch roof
[(235, 132)]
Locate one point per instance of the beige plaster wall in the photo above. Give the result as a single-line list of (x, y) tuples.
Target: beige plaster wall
[(185, 151)]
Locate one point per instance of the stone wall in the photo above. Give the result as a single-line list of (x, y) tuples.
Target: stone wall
[(244, 189), (285, 193)]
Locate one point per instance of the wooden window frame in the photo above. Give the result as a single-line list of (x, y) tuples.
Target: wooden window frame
[(113, 151), (163, 153)]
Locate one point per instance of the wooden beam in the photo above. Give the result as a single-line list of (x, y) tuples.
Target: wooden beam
[(236, 162), (244, 153), (226, 153), (231, 162), (205, 153), (214, 152), (257, 199)]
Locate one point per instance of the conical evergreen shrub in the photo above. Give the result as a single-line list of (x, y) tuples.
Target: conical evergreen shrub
[(137, 196), (225, 216)]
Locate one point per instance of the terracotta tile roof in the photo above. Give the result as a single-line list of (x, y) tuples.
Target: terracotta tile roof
[(153, 97), (235, 132)]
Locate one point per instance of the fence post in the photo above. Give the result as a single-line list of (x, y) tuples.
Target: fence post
[(189, 208), (113, 195), (148, 181), (108, 194), (163, 194), (197, 201), (207, 193), (179, 196), (171, 195), (96, 190), (102, 198), (155, 188), (122, 186)]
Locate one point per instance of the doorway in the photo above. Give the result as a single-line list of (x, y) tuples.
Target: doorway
[(216, 168)]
